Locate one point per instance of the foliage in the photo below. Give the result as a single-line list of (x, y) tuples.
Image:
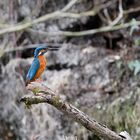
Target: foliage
[(134, 66), (134, 26)]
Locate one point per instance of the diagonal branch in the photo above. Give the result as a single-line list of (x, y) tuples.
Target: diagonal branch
[(88, 32), (44, 95)]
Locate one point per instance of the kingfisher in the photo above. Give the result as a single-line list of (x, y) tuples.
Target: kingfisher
[(39, 63)]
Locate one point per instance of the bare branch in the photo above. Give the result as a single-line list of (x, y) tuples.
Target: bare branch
[(45, 95), (107, 18), (132, 10), (65, 33), (119, 16), (88, 32), (69, 5)]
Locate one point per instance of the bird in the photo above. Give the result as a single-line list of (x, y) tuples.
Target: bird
[(39, 63)]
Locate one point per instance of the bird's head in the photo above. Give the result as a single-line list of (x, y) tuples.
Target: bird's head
[(40, 50)]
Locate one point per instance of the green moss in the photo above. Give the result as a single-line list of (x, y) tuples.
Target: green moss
[(27, 105), (36, 90), (56, 101)]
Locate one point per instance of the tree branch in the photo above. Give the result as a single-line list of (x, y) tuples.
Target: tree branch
[(131, 10), (88, 32), (54, 15), (44, 95)]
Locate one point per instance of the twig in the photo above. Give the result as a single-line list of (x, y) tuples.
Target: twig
[(45, 95), (119, 16), (132, 10), (69, 5), (39, 4), (12, 21), (107, 18)]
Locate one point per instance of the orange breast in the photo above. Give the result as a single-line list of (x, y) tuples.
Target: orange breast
[(42, 67)]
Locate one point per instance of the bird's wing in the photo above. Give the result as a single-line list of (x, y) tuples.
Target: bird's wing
[(33, 70)]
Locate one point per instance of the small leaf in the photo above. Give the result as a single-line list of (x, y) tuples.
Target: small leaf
[(137, 67), (134, 27), (137, 42), (131, 65), (134, 66)]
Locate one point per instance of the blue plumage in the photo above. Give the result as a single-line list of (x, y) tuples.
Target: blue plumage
[(33, 69)]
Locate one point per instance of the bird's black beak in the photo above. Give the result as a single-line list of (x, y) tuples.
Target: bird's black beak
[(50, 48)]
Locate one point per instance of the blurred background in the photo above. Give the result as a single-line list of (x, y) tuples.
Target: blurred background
[(98, 73)]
